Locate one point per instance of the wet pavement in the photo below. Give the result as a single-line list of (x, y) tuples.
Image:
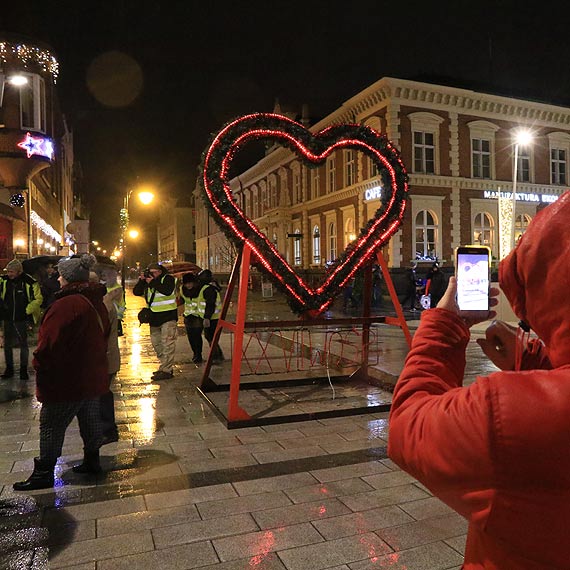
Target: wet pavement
[(180, 490)]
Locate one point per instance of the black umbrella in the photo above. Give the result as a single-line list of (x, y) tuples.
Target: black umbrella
[(33, 264)]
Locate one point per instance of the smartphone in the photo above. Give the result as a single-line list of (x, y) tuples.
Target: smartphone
[(472, 269)]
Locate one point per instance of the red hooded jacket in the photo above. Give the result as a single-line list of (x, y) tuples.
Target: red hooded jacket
[(71, 357), (498, 451)]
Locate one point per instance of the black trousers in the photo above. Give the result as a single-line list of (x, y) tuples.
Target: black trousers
[(16, 332), (193, 326)]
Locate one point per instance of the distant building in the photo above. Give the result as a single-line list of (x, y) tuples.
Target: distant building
[(458, 147), (176, 232), (36, 152)]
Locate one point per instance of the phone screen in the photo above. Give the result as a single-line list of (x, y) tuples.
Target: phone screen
[(472, 279)]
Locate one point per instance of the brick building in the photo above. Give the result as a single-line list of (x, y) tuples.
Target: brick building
[(36, 152), (458, 148)]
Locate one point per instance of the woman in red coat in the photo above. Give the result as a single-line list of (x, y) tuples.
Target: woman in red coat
[(71, 369), (498, 451)]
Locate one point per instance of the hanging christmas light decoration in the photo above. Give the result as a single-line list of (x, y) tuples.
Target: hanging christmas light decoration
[(17, 200), (314, 150), (27, 54)]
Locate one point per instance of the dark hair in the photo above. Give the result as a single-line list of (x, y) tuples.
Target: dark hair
[(189, 278)]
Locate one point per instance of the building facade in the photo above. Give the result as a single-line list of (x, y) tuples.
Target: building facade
[(458, 147), (176, 232), (36, 153)]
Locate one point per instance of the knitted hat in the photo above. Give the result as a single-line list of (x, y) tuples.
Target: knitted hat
[(15, 265), (76, 268)]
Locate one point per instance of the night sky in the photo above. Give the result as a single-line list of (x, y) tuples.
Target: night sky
[(145, 84)]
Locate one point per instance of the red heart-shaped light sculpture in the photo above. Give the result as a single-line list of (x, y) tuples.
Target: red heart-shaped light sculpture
[(314, 150)]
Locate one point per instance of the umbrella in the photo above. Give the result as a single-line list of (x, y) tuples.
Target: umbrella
[(33, 264)]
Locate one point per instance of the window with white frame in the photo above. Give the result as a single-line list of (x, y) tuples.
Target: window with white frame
[(425, 141), (315, 182), (373, 169), (297, 247), (332, 241), (255, 202), (272, 192), (349, 167), (523, 164), (483, 229), (264, 201), (482, 135), (559, 152), (425, 234), (331, 174), (316, 245), (481, 158), (349, 231), (558, 166), (33, 103), (521, 224)]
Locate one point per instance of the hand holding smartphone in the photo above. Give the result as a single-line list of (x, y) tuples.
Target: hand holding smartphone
[(472, 264)]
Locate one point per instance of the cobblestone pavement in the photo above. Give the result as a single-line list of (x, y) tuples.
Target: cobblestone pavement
[(181, 491)]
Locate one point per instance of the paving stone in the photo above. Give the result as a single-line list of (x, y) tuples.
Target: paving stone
[(349, 471), (189, 496), (457, 543), (362, 522), (277, 483), (203, 530), (435, 556), (259, 543), (391, 479), (334, 552), (265, 561), (383, 497), (182, 557), (104, 509), (247, 504), (302, 512), (427, 508), (146, 520), (328, 490)]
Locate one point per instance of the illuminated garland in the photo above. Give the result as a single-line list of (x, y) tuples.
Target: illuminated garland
[(30, 54), (42, 225), (314, 150)]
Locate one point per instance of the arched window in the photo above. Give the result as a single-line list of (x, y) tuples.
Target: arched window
[(332, 241), (316, 245), (521, 224), (297, 247), (483, 228), (315, 183), (425, 235), (349, 231)]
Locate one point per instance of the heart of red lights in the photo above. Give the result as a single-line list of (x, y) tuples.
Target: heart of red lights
[(313, 150)]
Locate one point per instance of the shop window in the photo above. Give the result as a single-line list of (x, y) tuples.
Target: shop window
[(425, 235), (521, 224), (349, 231), (483, 229)]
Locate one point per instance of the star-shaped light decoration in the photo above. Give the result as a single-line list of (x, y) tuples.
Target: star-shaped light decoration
[(40, 146)]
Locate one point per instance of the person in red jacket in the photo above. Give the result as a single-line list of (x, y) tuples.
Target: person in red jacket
[(498, 450), (71, 370)]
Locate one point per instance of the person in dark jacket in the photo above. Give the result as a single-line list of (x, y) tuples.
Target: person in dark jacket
[(71, 370), (210, 293), (158, 288), (21, 300), (193, 322), (436, 284), (49, 285)]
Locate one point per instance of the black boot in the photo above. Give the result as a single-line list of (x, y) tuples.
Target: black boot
[(41, 478), (8, 373), (90, 463)]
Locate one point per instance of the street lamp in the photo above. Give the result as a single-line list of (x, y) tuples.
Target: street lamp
[(523, 137), (146, 197)]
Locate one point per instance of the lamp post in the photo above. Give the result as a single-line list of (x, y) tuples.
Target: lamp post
[(145, 197), (523, 137)]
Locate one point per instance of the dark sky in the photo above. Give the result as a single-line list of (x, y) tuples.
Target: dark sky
[(203, 63)]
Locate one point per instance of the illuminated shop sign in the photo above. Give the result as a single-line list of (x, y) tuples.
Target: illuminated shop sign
[(522, 196), (40, 146), (373, 193)]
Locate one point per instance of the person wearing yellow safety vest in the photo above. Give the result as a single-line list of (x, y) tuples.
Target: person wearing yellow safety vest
[(158, 288), (193, 324), (21, 302), (210, 306)]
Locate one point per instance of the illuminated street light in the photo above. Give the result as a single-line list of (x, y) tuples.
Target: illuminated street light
[(146, 197), (133, 234), (18, 80)]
